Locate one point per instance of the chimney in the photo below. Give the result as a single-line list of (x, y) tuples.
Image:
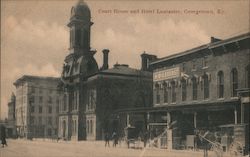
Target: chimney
[(105, 59), (213, 39), (145, 60)]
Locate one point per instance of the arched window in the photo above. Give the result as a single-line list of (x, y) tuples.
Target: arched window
[(248, 76), (220, 84), (194, 82), (206, 86), (173, 93), (234, 82), (165, 93), (183, 90)]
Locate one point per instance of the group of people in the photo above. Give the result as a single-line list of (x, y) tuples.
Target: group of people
[(114, 137)]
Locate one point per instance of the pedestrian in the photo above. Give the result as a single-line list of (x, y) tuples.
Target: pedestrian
[(115, 139), (106, 136), (3, 136)]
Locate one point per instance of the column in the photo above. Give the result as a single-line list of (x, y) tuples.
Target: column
[(235, 116), (169, 132), (242, 113), (195, 121), (128, 119), (148, 117)]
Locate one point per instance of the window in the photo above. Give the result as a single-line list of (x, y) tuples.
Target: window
[(194, 82), (65, 102), (32, 109), (183, 66), (220, 84), (205, 62), (50, 109), (87, 128), (40, 90), (40, 120), (248, 76), (40, 109), (157, 93), (234, 82), (40, 99), (32, 89), (32, 120), (91, 126), (50, 120), (32, 99), (165, 93), (50, 99), (206, 86), (173, 91), (184, 90), (193, 65)]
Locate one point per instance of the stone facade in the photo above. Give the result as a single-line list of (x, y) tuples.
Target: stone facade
[(92, 94), (37, 105)]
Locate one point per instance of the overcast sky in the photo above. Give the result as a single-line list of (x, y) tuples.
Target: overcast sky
[(35, 38)]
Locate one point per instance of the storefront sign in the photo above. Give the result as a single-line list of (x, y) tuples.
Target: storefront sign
[(166, 74)]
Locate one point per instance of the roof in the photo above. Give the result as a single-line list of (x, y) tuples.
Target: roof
[(122, 69), (212, 45), (31, 77)]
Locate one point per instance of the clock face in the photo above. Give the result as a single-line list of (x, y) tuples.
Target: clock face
[(72, 11)]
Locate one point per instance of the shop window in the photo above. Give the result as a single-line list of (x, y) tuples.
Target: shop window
[(206, 86), (220, 84), (234, 82), (194, 83)]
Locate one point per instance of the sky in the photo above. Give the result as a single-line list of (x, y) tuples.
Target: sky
[(35, 36)]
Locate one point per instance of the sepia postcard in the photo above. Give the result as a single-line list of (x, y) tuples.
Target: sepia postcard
[(125, 78)]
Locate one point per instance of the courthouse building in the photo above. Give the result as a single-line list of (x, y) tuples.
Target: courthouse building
[(91, 94), (205, 87), (37, 105)]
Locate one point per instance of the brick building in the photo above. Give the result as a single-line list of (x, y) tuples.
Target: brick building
[(37, 105), (202, 88)]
